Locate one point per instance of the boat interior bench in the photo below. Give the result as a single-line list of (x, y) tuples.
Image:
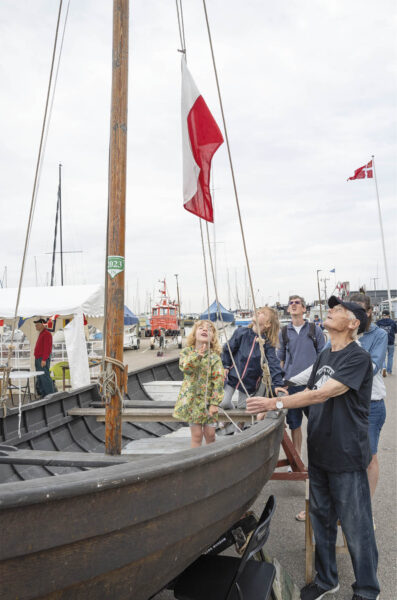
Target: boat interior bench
[(11, 455), (164, 415)]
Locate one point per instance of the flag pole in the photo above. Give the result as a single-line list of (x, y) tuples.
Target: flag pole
[(383, 238)]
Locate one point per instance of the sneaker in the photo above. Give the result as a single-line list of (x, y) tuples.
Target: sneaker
[(358, 597), (314, 592)]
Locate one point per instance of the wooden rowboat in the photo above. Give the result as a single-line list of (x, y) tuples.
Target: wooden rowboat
[(115, 526)]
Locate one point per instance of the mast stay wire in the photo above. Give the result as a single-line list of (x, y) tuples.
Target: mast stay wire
[(265, 366), (39, 164)]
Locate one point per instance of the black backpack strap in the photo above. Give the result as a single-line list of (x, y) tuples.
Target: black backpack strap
[(312, 334), (284, 335)]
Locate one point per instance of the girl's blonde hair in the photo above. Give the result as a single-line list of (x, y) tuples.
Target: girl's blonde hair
[(215, 345), (272, 333)]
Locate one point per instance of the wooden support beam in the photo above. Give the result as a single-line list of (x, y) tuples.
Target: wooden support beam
[(142, 415)]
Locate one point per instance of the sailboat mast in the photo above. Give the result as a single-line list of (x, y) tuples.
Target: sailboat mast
[(60, 219), (116, 218)]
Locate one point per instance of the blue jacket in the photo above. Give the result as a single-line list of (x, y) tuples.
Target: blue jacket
[(300, 352), (247, 356), (390, 327), (374, 341)]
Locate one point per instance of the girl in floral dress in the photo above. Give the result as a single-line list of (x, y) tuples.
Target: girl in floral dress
[(202, 387)]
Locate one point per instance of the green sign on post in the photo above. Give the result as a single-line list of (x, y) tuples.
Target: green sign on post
[(115, 265)]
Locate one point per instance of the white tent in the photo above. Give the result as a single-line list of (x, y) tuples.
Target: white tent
[(57, 300), (68, 300)]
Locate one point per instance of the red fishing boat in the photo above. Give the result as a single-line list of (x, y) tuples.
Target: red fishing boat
[(164, 314)]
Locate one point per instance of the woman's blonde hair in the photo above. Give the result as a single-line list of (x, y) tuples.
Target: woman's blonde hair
[(215, 345), (272, 333)]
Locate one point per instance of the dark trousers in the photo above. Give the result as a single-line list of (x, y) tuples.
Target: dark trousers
[(343, 496), (44, 383)]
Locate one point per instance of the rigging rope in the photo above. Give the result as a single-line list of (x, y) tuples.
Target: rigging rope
[(40, 156), (208, 303), (266, 372)]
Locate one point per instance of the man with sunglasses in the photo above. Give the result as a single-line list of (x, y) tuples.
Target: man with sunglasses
[(299, 347)]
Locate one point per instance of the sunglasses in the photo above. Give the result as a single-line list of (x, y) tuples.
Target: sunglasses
[(295, 302)]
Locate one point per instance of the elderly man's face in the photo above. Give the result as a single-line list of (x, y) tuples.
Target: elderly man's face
[(338, 319)]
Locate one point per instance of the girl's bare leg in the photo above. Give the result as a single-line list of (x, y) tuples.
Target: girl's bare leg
[(209, 434), (196, 432)]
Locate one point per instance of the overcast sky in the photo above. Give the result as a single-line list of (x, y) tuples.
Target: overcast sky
[(309, 91)]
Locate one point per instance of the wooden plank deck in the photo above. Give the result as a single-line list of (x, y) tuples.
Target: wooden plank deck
[(142, 415)]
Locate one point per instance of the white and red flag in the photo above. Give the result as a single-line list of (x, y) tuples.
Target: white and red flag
[(201, 138), (365, 172)]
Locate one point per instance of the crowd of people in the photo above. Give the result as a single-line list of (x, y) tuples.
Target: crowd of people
[(342, 396)]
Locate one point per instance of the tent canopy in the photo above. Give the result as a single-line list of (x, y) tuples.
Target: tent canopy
[(48, 301), (216, 311), (129, 317)]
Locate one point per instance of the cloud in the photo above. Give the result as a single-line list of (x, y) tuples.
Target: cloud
[(308, 95)]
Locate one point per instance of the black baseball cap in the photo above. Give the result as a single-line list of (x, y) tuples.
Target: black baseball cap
[(41, 320), (355, 308), (386, 312)]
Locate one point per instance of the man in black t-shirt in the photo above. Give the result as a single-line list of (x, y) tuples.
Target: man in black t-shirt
[(339, 394)]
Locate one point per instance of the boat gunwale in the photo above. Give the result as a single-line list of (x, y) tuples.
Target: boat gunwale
[(92, 386), (48, 489)]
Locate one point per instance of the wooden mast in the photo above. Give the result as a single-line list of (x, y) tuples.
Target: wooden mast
[(116, 218)]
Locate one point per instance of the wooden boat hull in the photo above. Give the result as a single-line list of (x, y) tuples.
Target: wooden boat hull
[(124, 531)]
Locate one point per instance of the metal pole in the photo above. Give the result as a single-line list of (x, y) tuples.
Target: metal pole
[(55, 242), (116, 221), (179, 303), (35, 268), (383, 238), (319, 295), (60, 219)]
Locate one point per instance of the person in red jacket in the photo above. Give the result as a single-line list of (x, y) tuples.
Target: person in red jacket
[(42, 357)]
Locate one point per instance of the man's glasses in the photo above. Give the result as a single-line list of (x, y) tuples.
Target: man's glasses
[(295, 302)]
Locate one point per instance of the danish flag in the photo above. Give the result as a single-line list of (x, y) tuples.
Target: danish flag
[(364, 172)]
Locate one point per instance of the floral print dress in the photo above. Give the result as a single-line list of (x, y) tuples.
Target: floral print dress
[(191, 406)]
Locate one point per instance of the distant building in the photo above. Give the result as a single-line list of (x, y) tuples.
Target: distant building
[(378, 296)]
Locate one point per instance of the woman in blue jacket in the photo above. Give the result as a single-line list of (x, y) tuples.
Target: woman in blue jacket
[(246, 353), (374, 341)]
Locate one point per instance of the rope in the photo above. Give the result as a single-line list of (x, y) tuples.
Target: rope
[(266, 372), (220, 314), (208, 303), (107, 381), (42, 145), (230, 419), (181, 27)]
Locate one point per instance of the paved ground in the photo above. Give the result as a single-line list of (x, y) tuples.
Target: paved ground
[(287, 543), (137, 359)]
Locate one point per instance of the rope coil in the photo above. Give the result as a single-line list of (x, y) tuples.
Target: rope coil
[(107, 381)]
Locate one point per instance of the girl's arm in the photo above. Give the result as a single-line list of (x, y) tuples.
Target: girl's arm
[(189, 360), (217, 382)]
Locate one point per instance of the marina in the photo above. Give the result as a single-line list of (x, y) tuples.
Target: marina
[(162, 435)]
